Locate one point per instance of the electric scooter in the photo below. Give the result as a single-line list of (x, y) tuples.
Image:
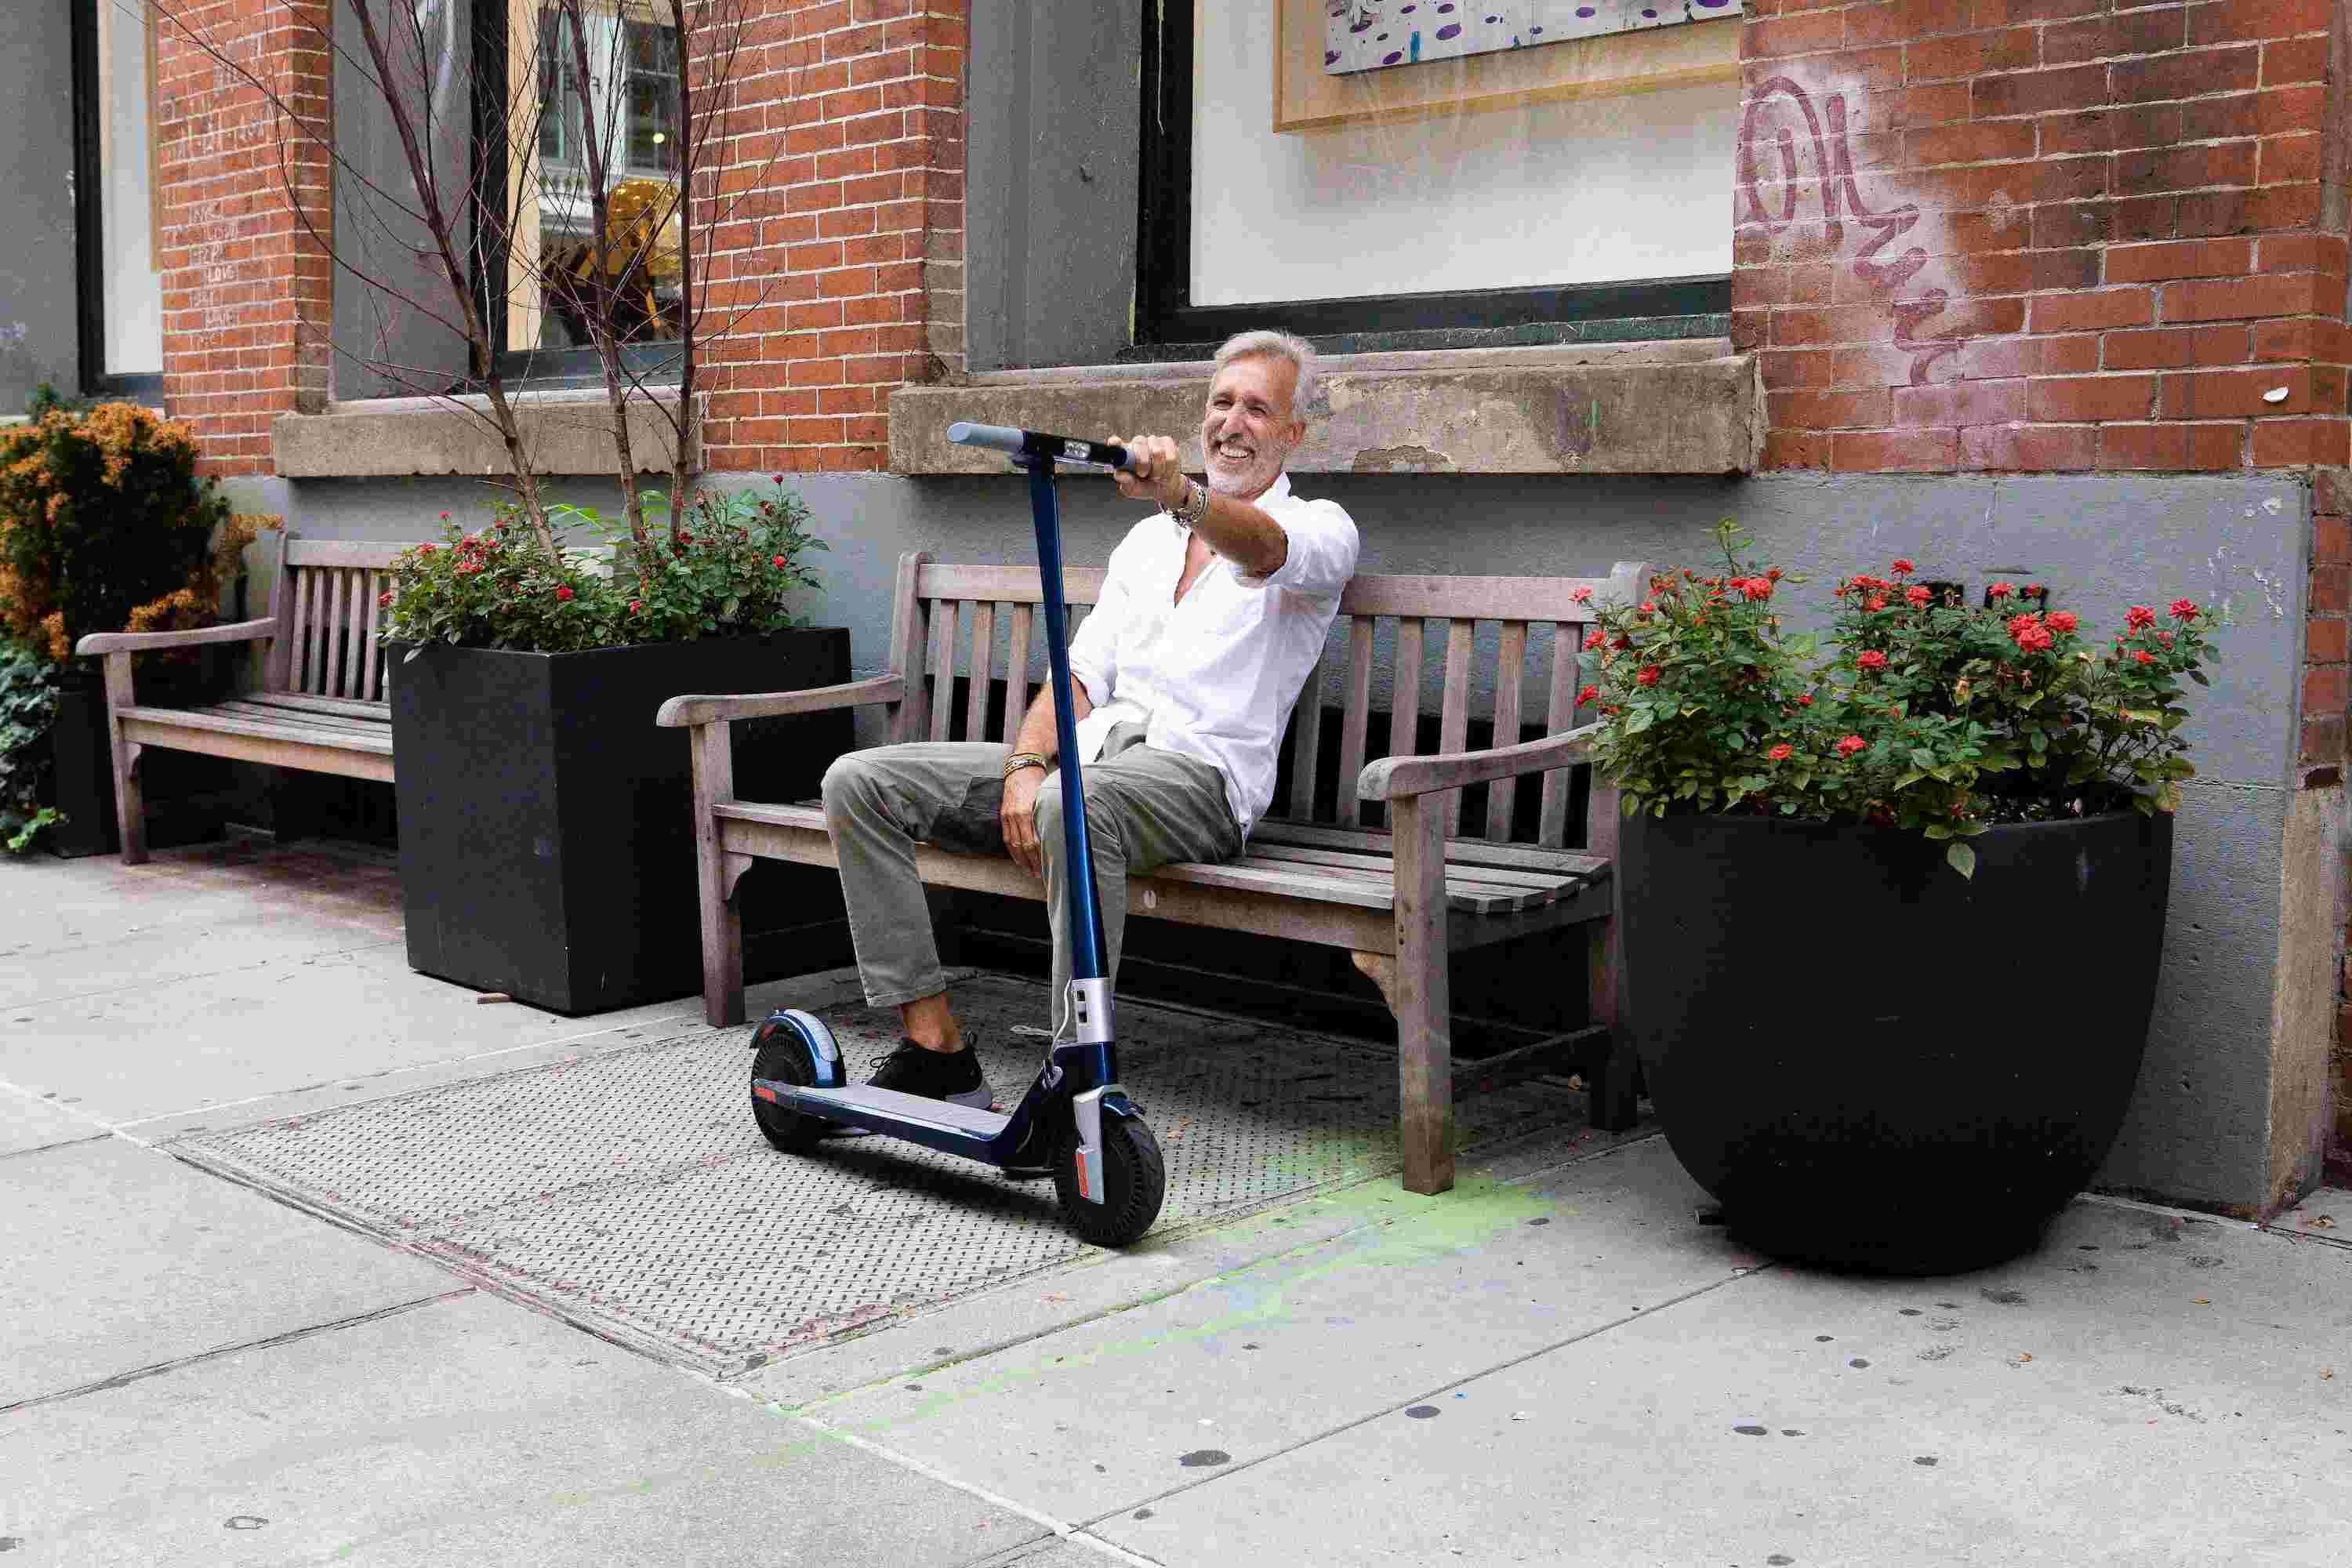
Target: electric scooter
[(1076, 1123)]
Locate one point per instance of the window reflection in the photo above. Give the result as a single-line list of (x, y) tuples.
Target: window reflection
[(561, 282)]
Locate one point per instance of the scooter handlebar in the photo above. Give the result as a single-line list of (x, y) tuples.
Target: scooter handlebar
[(1069, 451)]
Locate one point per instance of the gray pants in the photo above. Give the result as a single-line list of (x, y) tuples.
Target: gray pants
[(1144, 808)]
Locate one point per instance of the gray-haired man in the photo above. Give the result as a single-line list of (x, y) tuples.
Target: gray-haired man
[(1212, 613)]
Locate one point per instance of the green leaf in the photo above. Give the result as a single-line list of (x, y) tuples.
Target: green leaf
[(1962, 857)]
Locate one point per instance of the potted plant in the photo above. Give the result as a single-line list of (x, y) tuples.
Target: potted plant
[(105, 527), (546, 839), (1892, 899)]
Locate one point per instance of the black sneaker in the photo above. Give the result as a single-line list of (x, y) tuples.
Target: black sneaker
[(951, 1076)]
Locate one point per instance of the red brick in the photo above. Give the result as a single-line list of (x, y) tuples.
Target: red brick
[(1841, 325), (1909, 451), (2235, 394), (2323, 640), (2185, 168), (1996, 142), (1960, 403), (1899, 20), (2095, 311), (1796, 450), (2288, 160), (2029, 448), (2238, 21), (2303, 253), (2143, 447), (2004, 13), (2323, 741), (2072, 179), (1867, 409), (1801, 34), (2216, 300), (2331, 537), (2216, 446), (2039, 92), (2068, 399), (1787, 370), (2186, 258), (2326, 689), (2132, 32), (2171, 346), (1970, 53), (2076, 355), (2291, 443), (2330, 590), (2304, 59), (2076, 268), (2191, 74), (2273, 112)]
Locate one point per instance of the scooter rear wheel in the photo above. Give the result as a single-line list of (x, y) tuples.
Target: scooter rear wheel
[(1135, 1182), (781, 1055)]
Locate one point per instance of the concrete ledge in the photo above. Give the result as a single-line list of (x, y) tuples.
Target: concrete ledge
[(1683, 408), (564, 432)]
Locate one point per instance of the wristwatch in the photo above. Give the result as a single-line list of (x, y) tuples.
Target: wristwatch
[(1019, 760)]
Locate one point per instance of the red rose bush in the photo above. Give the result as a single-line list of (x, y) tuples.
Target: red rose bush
[(1918, 711), (726, 566)]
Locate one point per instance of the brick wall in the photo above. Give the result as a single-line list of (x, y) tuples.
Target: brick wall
[(838, 253), (2041, 235), (246, 287)]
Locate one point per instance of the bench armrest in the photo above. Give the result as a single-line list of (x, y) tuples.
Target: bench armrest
[(681, 712), (1394, 778), (148, 642)]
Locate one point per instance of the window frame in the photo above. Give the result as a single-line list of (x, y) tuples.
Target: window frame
[(1165, 317), (92, 378)]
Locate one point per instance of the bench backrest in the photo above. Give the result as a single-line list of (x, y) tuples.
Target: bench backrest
[(981, 623), (325, 604)]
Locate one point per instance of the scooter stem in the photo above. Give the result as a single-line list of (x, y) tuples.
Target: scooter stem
[(1084, 922)]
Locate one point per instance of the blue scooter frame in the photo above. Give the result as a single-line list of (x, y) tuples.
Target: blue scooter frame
[(1059, 1127)]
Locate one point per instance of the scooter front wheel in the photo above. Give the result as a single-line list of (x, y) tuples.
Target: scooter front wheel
[(781, 1055), (1135, 1182)]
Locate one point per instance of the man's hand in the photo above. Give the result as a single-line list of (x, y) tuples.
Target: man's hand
[(1158, 473), (1018, 817)]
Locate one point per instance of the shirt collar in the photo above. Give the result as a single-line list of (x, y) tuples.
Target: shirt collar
[(1273, 494)]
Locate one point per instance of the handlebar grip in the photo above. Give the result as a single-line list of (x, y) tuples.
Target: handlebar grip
[(995, 437)]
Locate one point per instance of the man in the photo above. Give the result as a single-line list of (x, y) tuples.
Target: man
[(1212, 613)]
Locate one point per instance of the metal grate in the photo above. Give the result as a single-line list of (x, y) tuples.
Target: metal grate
[(631, 1191)]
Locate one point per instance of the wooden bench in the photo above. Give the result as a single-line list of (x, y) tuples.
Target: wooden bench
[(1399, 899), (322, 704)]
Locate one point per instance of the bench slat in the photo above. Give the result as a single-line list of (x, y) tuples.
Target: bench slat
[(1355, 715), (984, 650), (1006, 584), (297, 702), (1509, 877), (1551, 820), (941, 663), (353, 552), (1404, 695), (1461, 852), (1453, 712), (238, 724), (1016, 672), (1510, 675), (1306, 742), (266, 713)]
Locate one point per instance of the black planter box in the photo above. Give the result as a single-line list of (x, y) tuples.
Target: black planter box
[(1873, 1062), (546, 837), (187, 794)]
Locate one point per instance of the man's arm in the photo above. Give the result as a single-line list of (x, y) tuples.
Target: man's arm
[(1237, 529), (1018, 814)]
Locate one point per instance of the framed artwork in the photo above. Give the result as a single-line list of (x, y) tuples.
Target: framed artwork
[(1332, 68)]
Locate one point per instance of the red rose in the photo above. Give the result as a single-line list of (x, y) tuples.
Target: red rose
[(778, 561), (2165, 638), (1876, 601), (1649, 676), (1805, 699), (1594, 639), (383, 601), (1773, 575), (1903, 568), (562, 593), (778, 478), (423, 549), (2141, 655), (2184, 609), (1782, 752), (2000, 591), (1872, 659), (445, 517), (1850, 745), (1587, 695), (1649, 607), (636, 605), (1581, 596), (1757, 588), (2139, 618), (2063, 621)]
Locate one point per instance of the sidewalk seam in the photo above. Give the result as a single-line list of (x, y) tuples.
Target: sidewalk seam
[(270, 1342)]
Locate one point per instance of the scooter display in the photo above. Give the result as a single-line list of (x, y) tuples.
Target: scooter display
[(1075, 1122)]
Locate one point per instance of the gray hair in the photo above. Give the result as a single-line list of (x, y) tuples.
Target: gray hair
[(1279, 345)]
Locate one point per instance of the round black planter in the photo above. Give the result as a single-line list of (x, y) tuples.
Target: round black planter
[(1873, 1062)]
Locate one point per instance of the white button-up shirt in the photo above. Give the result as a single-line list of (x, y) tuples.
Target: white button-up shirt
[(1215, 676)]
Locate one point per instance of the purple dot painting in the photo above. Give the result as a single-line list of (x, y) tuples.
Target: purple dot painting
[(1363, 27), (1409, 10), (1392, 57), (1330, 57), (1584, 13), (1492, 20), (1451, 30), (1535, 32), (1372, 34), (1448, 7)]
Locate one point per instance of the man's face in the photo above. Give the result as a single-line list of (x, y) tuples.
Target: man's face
[(1249, 429)]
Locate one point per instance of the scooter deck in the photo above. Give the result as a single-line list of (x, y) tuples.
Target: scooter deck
[(943, 1115)]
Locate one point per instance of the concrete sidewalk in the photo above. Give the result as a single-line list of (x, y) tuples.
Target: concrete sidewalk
[(1558, 1362)]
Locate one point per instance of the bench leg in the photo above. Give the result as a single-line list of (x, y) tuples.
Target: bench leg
[(129, 808), (1613, 1084), (713, 766), (1418, 996)]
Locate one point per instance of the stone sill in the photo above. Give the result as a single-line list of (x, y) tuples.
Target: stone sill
[(564, 432), (1671, 407)]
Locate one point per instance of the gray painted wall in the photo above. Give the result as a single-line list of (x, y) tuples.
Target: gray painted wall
[(37, 289), (2199, 1128), (1050, 228)]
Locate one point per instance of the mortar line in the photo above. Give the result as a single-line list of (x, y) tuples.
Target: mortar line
[(140, 1374)]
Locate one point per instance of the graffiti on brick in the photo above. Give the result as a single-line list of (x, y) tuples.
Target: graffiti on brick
[(1884, 264)]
